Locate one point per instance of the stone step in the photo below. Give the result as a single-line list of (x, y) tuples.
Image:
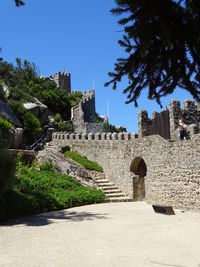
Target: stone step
[(112, 192), (105, 184), (108, 187), (113, 195), (108, 190), (119, 199), (102, 181)]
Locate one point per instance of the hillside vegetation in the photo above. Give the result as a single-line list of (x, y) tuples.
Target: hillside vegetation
[(21, 83), (40, 189), (88, 164)]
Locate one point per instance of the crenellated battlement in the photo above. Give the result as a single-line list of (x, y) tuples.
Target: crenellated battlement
[(84, 114), (166, 123), (63, 80), (97, 136), (88, 96)]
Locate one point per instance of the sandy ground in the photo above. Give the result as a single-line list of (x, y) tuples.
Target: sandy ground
[(121, 234)]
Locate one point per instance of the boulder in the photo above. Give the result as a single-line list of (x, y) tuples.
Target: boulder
[(66, 165), (7, 113), (39, 110), (16, 136)]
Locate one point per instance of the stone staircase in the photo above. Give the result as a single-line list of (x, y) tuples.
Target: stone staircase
[(112, 192)]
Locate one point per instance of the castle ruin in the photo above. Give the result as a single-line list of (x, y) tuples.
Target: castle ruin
[(63, 81), (83, 115), (160, 170)]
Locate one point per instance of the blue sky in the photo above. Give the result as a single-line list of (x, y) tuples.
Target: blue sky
[(81, 36)]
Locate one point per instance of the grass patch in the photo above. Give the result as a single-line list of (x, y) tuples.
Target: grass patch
[(36, 191), (88, 164)]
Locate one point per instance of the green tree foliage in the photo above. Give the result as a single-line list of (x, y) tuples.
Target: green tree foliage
[(7, 173), (24, 84), (162, 40), (65, 126), (111, 128), (19, 3), (31, 126), (57, 117), (5, 127), (42, 189), (30, 123)]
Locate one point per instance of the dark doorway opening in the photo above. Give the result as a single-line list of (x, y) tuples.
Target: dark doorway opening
[(138, 170)]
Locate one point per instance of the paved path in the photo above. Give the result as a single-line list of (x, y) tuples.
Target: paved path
[(121, 234)]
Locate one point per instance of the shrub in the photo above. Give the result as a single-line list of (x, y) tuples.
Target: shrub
[(7, 171), (88, 164), (57, 117), (57, 101), (31, 124), (5, 125), (4, 131), (74, 98), (44, 190), (65, 127), (32, 127)]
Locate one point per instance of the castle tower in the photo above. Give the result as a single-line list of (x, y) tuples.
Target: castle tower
[(63, 80)]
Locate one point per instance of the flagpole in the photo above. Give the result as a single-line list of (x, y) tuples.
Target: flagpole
[(108, 115)]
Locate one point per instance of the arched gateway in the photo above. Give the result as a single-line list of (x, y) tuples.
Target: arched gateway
[(138, 170)]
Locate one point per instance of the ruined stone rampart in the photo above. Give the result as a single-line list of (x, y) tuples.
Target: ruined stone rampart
[(166, 123), (189, 113), (173, 168), (63, 80), (84, 114)]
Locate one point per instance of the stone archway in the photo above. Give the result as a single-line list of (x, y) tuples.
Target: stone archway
[(138, 170)]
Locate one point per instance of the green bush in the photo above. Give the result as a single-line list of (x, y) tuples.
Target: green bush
[(5, 125), (7, 171), (65, 127), (32, 128), (30, 123), (74, 98), (4, 132), (17, 108), (56, 100), (88, 164), (44, 190), (57, 117)]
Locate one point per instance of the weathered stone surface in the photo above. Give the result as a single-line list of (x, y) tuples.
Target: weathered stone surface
[(39, 110), (16, 135), (66, 165), (7, 113), (83, 115), (50, 131), (172, 168)]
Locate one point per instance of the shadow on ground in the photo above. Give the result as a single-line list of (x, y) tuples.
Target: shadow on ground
[(53, 217)]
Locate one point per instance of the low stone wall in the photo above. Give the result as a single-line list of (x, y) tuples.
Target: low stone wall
[(27, 155), (173, 168), (94, 127)]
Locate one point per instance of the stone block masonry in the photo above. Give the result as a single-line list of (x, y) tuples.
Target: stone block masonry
[(166, 123), (172, 169), (83, 115), (63, 80)]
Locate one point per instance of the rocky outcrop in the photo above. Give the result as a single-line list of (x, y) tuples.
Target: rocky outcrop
[(39, 110), (66, 165), (7, 113), (16, 136)]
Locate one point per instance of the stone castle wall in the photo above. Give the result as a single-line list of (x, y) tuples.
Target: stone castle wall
[(63, 81), (173, 168), (84, 114), (189, 113)]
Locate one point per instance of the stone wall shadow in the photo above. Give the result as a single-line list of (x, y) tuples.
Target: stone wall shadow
[(53, 217)]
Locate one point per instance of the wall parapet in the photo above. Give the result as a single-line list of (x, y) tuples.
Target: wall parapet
[(91, 136)]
